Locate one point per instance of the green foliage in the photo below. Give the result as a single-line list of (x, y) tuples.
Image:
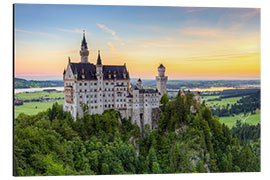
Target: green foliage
[(52, 143)]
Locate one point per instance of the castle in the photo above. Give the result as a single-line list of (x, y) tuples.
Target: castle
[(104, 87)]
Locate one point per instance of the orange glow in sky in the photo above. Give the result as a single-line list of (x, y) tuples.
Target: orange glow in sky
[(193, 51)]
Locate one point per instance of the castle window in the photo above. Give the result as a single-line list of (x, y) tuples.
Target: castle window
[(112, 83), (105, 106), (80, 84), (80, 90), (80, 96), (85, 84), (85, 90), (86, 96), (95, 83)]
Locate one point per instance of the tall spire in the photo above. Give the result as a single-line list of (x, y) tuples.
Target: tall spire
[(84, 50), (84, 43), (99, 59)]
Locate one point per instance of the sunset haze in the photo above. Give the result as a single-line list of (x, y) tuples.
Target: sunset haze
[(192, 43)]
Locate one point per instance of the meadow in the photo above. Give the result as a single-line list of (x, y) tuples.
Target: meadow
[(222, 102), (32, 108), (39, 94), (230, 121)]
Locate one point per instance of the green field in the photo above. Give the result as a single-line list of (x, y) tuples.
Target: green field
[(32, 108), (208, 97), (230, 121), (40, 94), (223, 102)]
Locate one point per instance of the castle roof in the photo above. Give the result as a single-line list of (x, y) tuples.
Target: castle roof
[(161, 66), (99, 59), (88, 70), (148, 91), (84, 43)]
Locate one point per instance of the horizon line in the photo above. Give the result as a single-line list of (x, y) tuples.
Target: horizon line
[(35, 79)]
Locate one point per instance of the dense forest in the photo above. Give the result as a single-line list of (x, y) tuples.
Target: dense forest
[(22, 83), (51, 143), (245, 105)]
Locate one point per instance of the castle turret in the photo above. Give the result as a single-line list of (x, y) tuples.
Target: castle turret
[(84, 50), (100, 89), (198, 97), (99, 65), (161, 80), (139, 83)]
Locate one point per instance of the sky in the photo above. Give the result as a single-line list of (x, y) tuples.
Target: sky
[(191, 42)]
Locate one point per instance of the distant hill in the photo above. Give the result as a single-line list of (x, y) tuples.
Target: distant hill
[(23, 83), (190, 84)]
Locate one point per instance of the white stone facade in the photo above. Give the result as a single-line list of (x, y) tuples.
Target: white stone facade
[(103, 87)]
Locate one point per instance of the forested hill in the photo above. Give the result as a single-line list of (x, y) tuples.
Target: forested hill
[(22, 83), (191, 84), (51, 143)]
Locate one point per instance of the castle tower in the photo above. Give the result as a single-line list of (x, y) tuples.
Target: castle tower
[(99, 65), (161, 80), (198, 97), (100, 88), (84, 50), (139, 83)]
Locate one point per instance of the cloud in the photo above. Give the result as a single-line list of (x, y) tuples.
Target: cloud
[(250, 13), (223, 57), (76, 31), (32, 32), (105, 28), (206, 32), (110, 44), (195, 9)]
